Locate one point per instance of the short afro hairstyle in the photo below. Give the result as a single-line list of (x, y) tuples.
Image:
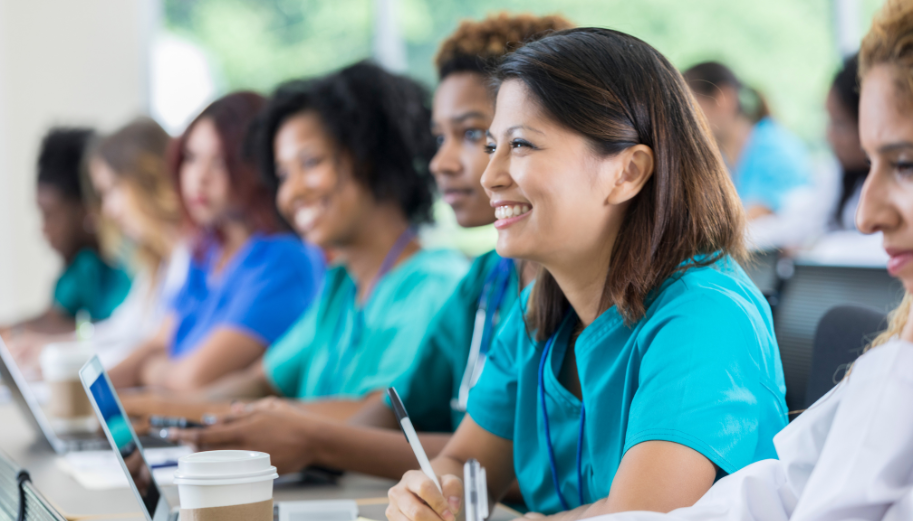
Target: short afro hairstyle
[(60, 159), (478, 46), (380, 119)]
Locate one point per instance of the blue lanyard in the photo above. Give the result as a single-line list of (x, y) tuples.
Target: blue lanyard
[(493, 291), (498, 278), (548, 434), (345, 354)]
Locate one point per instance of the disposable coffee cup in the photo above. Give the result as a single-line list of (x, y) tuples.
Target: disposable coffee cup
[(225, 485), (68, 405)]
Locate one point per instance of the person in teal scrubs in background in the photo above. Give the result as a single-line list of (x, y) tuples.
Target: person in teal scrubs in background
[(641, 365), (435, 385), (89, 283), (350, 153), (766, 161)]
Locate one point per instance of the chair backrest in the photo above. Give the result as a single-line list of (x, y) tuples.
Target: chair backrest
[(807, 296), (37, 508), (841, 337)]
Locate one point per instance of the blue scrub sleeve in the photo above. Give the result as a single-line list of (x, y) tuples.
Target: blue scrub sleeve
[(493, 400), (699, 380), (284, 362), (774, 166), (271, 302)]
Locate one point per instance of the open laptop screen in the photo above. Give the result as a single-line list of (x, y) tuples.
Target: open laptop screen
[(124, 438)]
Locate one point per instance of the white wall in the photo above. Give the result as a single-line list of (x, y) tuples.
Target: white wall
[(61, 62)]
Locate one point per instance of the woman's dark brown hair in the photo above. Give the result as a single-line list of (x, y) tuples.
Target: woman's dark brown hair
[(232, 116), (618, 92), (707, 78)]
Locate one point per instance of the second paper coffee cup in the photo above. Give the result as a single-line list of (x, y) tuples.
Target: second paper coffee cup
[(226, 485), (68, 406)]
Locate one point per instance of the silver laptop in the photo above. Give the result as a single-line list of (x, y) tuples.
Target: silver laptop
[(129, 451), (24, 397)]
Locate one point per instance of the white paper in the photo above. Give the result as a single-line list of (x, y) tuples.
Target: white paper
[(100, 469)]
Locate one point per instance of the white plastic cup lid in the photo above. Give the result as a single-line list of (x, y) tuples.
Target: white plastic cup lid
[(224, 467), (63, 360)]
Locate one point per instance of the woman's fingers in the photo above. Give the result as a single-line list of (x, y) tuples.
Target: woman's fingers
[(453, 491), (417, 498)]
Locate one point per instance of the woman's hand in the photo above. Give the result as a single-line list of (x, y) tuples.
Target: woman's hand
[(275, 427), (417, 498)]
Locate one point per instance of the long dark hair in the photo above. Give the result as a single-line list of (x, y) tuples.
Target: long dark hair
[(846, 87), (232, 116), (617, 92)]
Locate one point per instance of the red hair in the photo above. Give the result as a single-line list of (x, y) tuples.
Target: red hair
[(233, 115)]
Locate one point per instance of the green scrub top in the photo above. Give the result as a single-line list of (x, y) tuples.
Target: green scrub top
[(433, 381), (325, 354), (92, 284), (701, 368)]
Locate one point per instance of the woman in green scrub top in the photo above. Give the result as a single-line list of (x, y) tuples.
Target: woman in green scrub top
[(435, 387), (350, 154), (641, 365)]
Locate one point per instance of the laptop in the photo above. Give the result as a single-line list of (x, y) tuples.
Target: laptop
[(129, 451), (25, 399)]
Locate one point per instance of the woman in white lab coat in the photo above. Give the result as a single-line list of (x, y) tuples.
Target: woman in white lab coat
[(850, 455)]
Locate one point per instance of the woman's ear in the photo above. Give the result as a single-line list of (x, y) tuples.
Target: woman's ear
[(637, 168)]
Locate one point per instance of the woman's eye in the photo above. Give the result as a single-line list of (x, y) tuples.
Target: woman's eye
[(311, 162), (439, 140), (904, 167), (490, 148), (520, 143), (474, 135)]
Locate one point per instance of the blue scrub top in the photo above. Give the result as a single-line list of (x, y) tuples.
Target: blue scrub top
[(773, 163), (701, 369), (262, 290)]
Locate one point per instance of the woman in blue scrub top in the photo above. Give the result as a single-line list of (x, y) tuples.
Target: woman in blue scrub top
[(247, 283), (765, 160), (435, 383), (642, 364), (350, 153)]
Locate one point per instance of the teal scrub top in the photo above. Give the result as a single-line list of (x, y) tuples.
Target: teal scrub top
[(773, 164), (325, 354), (92, 284), (701, 368), (434, 379)]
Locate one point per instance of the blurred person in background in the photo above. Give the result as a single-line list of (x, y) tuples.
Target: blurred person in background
[(842, 243), (89, 284), (136, 194), (765, 160), (435, 388), (247, 281), (843, 136), (349, 152)]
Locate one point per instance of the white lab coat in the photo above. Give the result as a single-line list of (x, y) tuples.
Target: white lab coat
[(848, 457)]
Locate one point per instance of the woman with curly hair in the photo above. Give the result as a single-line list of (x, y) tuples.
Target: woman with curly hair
[(453, 350)]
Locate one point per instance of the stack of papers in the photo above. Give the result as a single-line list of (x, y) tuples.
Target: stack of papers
[(100, 469)]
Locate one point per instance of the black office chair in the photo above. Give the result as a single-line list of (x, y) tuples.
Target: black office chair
[(812, 290), (842, 334)]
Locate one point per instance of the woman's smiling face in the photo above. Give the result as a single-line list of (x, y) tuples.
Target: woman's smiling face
[(317, 192), (886, 131), (550, 190)]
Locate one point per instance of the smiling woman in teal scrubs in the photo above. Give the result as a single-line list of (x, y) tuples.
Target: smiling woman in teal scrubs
[(642, 364)]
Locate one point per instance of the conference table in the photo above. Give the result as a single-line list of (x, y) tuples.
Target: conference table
[(70, 499)]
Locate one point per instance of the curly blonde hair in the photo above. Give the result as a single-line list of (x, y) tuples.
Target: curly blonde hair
[(890, 42), (477, 46)]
